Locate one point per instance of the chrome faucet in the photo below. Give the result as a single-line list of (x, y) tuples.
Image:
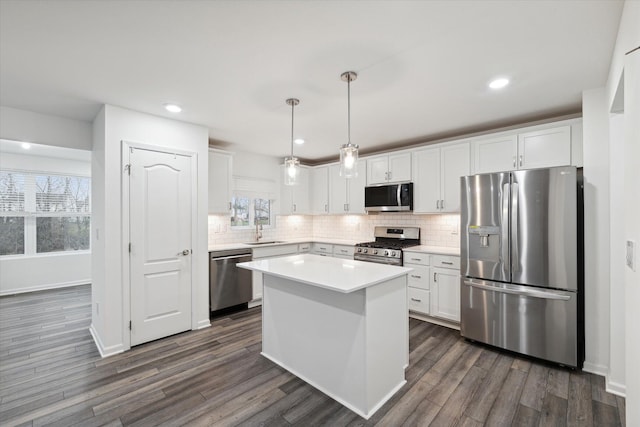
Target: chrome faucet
[(258, 232)]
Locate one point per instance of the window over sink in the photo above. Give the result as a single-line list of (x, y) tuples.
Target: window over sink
[(247, 211)]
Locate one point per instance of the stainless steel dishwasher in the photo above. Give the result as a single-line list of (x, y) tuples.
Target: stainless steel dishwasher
[(229, 285)]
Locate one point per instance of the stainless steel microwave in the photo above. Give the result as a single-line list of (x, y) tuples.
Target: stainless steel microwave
[(389, 198)]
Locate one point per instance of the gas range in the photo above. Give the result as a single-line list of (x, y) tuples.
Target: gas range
[(387, 248)]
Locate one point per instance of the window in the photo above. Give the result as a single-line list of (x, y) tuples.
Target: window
[(44, 213), (247, 211)]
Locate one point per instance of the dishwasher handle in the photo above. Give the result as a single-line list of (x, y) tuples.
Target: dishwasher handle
[(215, 258)]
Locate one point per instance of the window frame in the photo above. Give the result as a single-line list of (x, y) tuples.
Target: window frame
[(252, 196), (30, 214)]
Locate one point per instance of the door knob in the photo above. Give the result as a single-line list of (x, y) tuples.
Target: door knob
[(185, 252)]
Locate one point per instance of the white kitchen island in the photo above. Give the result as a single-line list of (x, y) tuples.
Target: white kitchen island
[(340, 325)]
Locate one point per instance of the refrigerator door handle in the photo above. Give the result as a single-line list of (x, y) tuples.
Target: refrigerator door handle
[(506, 262), (515, 228), (527, 293)]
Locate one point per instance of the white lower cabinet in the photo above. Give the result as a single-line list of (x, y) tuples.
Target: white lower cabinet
[(418, 281), (262, 253), (342, 251), (445, 293), (324, 249), (434, 285)]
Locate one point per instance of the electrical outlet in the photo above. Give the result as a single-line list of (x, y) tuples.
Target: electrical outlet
[(631, 255)]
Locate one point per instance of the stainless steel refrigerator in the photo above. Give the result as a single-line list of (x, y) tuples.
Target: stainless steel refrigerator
[(521, 262)]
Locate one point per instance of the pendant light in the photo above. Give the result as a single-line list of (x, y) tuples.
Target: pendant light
[(291, 164), (349, 151)]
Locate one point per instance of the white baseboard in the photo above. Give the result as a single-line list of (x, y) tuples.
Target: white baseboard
[(595, 368), (45, 287), (435, 321), (105, 351), (254, 303), (204, 323), (616, 388)]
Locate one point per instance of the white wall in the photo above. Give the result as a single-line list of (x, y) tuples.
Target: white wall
[(625, 157), (44, 271), (596, 225), (21, 125), (110, 312)]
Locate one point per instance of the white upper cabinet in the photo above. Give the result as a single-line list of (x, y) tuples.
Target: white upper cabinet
[(346, 195), (220, 172), (528, 150), (436, 178), (544, 148), (389, 168), (319, 190), (295, 198)]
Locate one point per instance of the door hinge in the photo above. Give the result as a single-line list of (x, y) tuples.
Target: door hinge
[(129, 324), (129, 247), (127, 168)]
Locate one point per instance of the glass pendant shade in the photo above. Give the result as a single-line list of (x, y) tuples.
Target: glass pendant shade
[(349, 161), (291, 164), (291, 169), (349, 151)]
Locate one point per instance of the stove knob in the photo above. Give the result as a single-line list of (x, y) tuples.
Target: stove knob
[(375, 251), (364, 251), (393, 253), (359, 250), (386, 253)]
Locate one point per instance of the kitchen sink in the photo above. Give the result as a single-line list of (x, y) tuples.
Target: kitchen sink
[(264, 243)]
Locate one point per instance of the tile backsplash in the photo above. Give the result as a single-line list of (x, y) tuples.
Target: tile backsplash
[(435, 230)]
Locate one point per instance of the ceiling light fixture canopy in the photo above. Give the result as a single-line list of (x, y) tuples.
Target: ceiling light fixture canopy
[(349, 151), (291, 164)]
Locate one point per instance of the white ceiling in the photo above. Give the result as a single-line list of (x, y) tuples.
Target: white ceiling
[(423, 66)]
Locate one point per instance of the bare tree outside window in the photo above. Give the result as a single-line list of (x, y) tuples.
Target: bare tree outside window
[(262, 211), (11, 213), (51, 212)]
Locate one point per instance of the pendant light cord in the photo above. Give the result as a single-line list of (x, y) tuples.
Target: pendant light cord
[(292, 105), (349, 109)]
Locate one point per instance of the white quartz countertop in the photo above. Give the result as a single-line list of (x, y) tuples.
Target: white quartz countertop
[(439, 250), (227, 246), (336, 274)]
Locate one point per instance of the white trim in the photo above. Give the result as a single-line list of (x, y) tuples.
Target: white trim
[(126, 148), (104, 351), (440, 322), (594, 368), (202, 324), (45, 287), (615, 388)]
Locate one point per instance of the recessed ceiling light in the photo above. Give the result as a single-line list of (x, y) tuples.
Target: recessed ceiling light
[(499, 83), (299, 141), (174, 108), (25, 145)]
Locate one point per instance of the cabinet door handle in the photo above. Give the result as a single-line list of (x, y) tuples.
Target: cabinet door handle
[(416, 259), (389, 176), (416, 277), (437, 204), (434, 277), (229, 205), (326, 207), (446, 262), (294, 207), (441, 204), (521, 160), (514, 161), (416, 300)]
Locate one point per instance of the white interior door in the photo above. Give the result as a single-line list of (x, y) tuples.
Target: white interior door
[(160, 236)]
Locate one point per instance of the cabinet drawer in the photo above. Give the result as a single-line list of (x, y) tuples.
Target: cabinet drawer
[(419, 277), (418, 300), (343, 251), (322, 248), (446, 261), (416, 258), (304, 247)]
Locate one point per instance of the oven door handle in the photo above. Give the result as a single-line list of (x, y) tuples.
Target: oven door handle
[(522, 292)]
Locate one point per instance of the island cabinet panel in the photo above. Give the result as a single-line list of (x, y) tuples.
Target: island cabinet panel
[(352, 346)]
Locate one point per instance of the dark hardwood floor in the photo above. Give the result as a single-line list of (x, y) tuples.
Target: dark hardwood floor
[(52, 374)]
